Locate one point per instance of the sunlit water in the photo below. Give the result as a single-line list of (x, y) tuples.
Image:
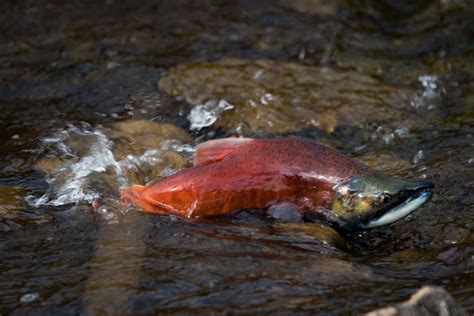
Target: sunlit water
[(103, 96)]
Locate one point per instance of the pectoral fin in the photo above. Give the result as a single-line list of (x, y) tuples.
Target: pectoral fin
[(286, 211)]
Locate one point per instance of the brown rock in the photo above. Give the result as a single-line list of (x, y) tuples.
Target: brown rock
[(49, 165), (279, 97), (10, 197), (429, 300), (132, 137), (10, 204), (386, 161), (135, 137)]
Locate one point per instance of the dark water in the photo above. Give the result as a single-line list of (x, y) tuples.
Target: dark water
[(94, 96)]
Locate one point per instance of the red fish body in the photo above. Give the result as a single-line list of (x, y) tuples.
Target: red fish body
[(236, 173)]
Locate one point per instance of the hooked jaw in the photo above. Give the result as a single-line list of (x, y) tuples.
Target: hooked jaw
[(374, 200), (401, 210)]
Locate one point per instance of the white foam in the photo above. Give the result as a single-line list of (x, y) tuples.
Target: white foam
[(204, 115), (419, 157), (430, 92), (67, 184), (88, 156)]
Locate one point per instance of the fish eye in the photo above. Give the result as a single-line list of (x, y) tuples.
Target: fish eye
[(384, 198)]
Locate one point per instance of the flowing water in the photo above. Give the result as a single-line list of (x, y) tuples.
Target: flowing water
[(97, 96)]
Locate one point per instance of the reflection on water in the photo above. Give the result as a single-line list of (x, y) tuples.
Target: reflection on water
[(96, 97)]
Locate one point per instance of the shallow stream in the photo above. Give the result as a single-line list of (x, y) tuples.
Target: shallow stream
[(95, 96)]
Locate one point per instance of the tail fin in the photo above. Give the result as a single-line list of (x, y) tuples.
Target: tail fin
[(128, 196)]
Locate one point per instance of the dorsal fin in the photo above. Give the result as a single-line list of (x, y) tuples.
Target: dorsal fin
[(215, 150)]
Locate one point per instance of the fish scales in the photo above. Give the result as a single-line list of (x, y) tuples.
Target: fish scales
[(241, 173)]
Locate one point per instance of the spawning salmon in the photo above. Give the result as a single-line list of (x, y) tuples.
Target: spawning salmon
[(281, 175)]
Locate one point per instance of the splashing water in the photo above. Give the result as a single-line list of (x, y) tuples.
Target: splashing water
[(68, 184), (90, 169), (204, 115), (152, 164), (427, 97), (387, 135)]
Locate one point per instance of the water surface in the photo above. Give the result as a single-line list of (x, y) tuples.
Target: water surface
[(96, 96)]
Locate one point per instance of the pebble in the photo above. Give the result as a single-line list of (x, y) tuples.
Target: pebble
[(420, 155), (388, 137), (267, 98), (29, 297), (402, 132), (112, 65)]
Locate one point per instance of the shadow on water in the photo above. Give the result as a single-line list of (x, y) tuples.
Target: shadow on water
[(96, 96)]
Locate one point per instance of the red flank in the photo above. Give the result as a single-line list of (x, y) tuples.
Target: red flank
[(241, 173)]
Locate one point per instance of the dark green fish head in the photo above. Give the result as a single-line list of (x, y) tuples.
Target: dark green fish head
[(374, 199)]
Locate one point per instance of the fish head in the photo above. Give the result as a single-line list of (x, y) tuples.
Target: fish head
[(374, 199)]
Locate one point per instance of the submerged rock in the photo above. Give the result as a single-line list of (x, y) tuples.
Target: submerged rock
[(135, 137), (10, 205), (386, 161), (12, 210), (131, 137), (429, 300), (280, 97), (10, 197)]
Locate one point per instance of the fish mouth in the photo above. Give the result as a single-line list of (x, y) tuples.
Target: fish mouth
[(414, 200)]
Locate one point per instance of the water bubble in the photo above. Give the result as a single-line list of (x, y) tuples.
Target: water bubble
[(420, 155), (429, 93), (224, 105), (176, 145), (428, 82), (257, 74), (234, 37), (267, 98), (204, 115), (108, 215), (201, 116), (112, 65), (238, 129), (110, 52), (149, 157), (302, 54), (28, 298), (388, 137), (360, 148), (252, 103), (148, 165), (402, 132)]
